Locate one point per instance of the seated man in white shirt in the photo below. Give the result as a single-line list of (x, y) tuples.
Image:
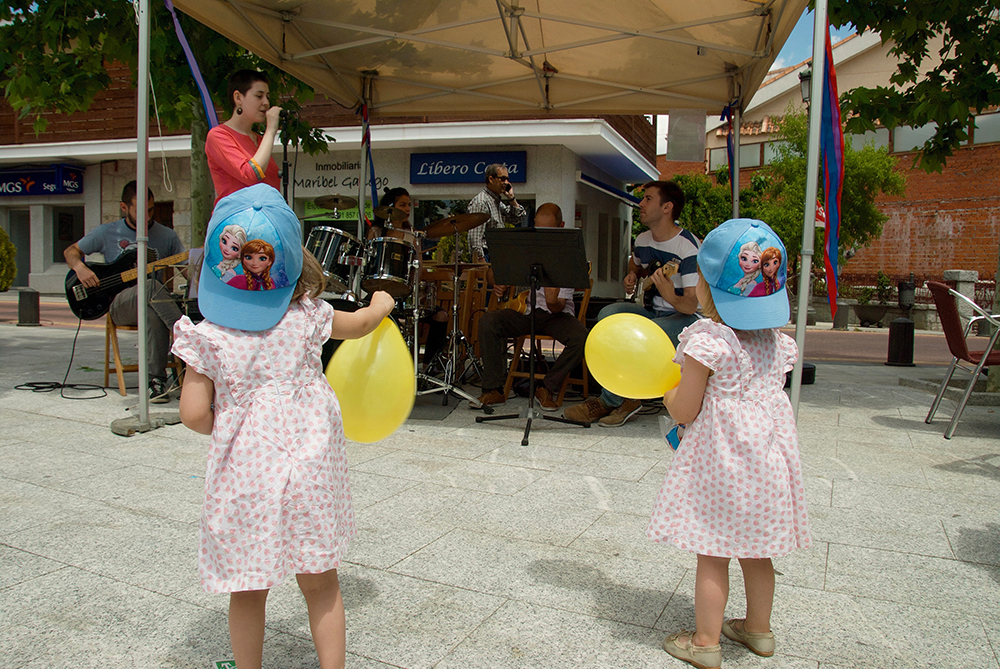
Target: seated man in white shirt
[(556, 317)]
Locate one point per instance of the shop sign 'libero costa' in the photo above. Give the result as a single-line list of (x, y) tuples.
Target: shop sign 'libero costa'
[(464, 168)]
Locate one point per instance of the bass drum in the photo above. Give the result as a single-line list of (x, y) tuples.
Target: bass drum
[(389, 266), (334, 249)]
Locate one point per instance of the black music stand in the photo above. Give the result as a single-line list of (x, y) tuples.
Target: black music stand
[(538, 258)]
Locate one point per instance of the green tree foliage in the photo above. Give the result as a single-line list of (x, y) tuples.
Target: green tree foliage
[(55, 55), (867, 174), (54, 59), (777, 192), (966, 81), (8, 261)]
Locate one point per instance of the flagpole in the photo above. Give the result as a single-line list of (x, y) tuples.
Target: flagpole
[(812, 178)]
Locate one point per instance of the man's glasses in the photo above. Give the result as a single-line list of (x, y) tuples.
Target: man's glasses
[(502, 178)]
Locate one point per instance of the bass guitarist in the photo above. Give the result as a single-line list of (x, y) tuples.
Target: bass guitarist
[(113, 239), (674, 303)]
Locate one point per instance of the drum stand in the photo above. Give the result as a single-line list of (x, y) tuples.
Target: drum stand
[(449, 362)]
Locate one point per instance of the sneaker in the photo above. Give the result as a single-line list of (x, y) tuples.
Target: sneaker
[(158, 391), (587, 412), (544, 399), (620, 415), (761, 643), (488, 398), (703, 657)]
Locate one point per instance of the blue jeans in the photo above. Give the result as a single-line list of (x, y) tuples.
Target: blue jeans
[(671, 323)]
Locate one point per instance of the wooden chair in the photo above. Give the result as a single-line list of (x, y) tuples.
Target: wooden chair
[(946, 301), (583, 380), (472, 306), (114, 363)]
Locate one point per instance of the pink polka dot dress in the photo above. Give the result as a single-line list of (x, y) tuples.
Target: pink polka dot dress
[(734, 487), (277, 497)]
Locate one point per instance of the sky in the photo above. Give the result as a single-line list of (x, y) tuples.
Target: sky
[(796, 49)]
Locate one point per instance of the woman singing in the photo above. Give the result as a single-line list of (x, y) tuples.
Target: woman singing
[(237, 156)]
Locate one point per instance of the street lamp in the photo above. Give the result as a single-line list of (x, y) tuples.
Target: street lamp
[(805, 85)]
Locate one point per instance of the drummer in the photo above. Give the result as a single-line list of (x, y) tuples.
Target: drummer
[(398, 226)]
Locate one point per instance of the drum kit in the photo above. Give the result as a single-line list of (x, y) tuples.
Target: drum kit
[(392, 262)]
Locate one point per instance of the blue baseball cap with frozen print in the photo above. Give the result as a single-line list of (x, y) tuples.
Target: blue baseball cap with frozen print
[(253, 259), (746, 266)]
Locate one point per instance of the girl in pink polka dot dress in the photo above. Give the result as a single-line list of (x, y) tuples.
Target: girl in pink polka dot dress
[(277, 499), (734, 487)]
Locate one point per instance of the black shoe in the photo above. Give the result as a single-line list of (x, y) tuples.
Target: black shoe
[(158, 391)]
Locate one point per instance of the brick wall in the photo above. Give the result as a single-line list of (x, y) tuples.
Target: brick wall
[(670, 168), (944, 221)]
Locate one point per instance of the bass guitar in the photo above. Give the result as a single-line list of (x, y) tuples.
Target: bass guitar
[(643, 294), (90, 303)]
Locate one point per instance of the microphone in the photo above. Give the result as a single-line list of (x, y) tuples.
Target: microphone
[(284, 114)]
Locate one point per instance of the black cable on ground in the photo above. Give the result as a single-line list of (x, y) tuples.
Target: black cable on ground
[(49, 386)]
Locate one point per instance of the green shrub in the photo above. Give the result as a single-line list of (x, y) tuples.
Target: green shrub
[(8, 262)]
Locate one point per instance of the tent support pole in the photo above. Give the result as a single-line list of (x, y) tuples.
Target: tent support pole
[(142, 231), (735, 186)]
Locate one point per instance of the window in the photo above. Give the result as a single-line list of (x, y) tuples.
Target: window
[(717, 158), (878, 137), (908, 138), (67, 228), (987, 129), (749, 155), (772, 151)]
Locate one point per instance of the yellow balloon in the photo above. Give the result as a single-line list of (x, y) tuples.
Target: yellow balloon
[(374, 381), (632, 357)]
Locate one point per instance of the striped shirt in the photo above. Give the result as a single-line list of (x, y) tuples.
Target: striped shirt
[(500, 213), (682, 247)]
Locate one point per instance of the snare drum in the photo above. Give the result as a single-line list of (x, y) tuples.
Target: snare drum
[(334, 249), (389, 266)]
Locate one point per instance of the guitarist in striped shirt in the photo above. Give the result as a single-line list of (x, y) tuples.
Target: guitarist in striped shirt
[(113, 239), (556, 318), (674, 251)]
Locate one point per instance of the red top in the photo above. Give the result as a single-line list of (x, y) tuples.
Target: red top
[(229, 153)]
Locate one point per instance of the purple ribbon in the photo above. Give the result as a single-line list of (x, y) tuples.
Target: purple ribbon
[(206, 99)]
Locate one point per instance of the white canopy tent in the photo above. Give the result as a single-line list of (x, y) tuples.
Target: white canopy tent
[(450, 57), (494, 58)]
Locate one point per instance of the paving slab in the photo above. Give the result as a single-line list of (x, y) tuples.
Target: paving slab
[(475, 552)]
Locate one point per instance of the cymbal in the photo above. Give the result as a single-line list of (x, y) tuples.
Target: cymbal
[(391, 214), (335, 202), (453, 224)]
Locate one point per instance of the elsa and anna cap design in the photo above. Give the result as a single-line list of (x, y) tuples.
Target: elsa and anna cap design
[(253, 259)]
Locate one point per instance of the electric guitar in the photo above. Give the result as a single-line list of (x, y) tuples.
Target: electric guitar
[(91, 303), (518, 303), (643, 294)]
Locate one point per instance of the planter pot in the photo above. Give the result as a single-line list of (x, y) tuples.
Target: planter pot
[(870, 315)]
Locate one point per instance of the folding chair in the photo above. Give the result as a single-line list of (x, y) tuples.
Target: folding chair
[(946, 301)]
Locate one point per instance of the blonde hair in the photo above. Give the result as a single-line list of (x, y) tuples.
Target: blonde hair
[(312, 281), (241, 236), (708, 309)]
